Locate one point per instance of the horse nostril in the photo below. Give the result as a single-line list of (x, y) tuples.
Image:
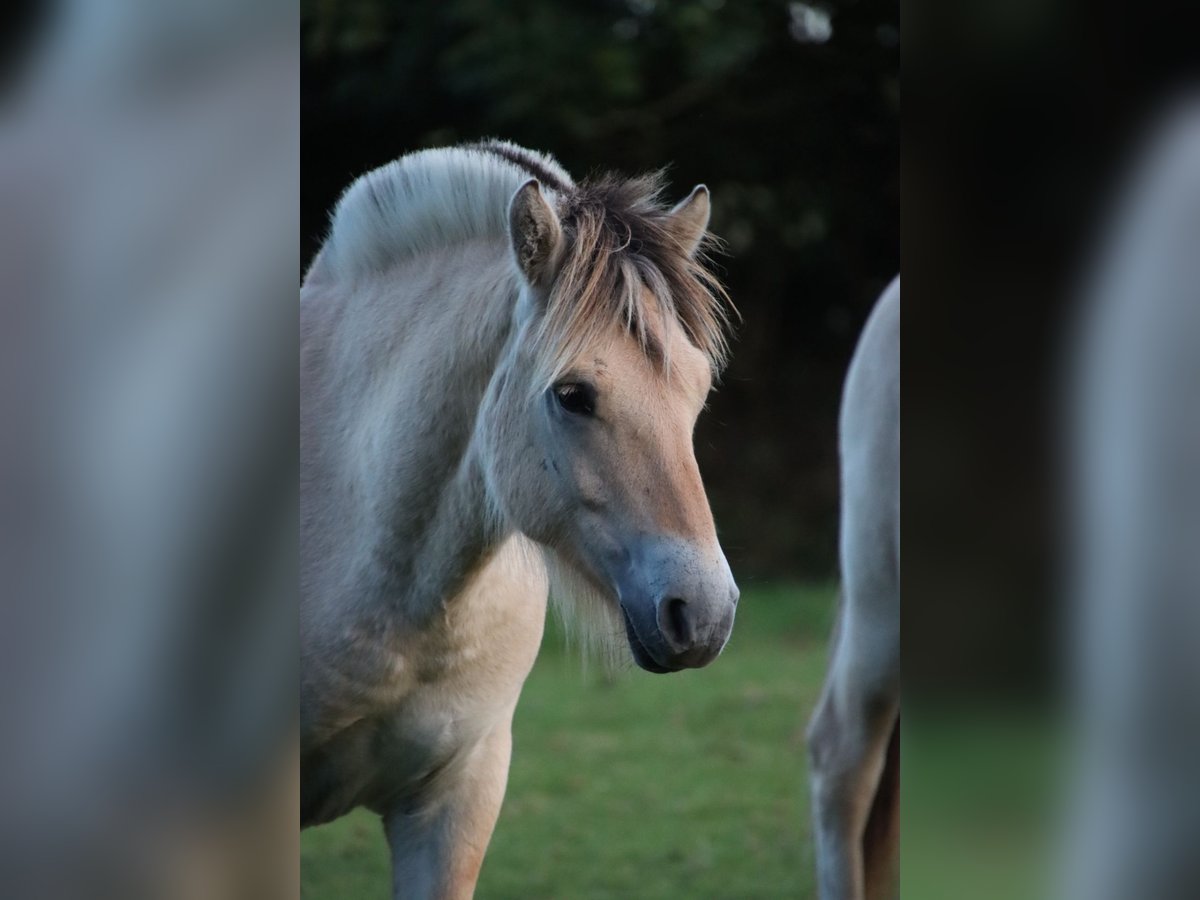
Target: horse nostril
[(674, 623)]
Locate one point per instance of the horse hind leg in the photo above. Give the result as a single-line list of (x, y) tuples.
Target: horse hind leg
[(881, 837), (848, 743)]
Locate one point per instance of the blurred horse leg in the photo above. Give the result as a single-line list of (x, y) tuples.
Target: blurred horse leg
[(848, 743), (881, 839)]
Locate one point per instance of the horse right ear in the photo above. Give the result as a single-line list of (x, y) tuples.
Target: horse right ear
[(536, 234)]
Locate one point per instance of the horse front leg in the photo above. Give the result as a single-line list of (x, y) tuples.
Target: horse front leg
[(437, 850)]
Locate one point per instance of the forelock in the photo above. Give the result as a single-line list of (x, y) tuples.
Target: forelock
[(622, 257)]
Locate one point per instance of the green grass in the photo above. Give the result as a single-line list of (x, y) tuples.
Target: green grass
[(980, 788), (642, 786), (693, 785)]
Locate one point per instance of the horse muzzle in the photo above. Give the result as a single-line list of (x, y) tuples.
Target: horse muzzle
[(678, 605)]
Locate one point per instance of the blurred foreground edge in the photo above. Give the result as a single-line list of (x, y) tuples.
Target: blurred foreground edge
[(1133, 456), (149, 191)]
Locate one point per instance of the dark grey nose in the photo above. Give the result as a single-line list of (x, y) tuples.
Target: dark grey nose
[(679, 603), (694, 633), (675, 623)]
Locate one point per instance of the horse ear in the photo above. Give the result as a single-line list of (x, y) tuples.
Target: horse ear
[(689, 219), (535, 232)]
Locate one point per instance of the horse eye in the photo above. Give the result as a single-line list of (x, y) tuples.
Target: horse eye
[(577, 399)]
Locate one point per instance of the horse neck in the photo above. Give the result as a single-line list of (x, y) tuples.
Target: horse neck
[(433, 520)]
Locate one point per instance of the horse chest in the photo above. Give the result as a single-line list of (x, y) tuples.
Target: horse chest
[(466, 675), (446, 687)]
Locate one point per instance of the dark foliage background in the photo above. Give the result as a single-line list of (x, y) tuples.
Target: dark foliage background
[(790, 113)]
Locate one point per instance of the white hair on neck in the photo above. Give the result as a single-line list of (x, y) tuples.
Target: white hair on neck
[(591, 620)]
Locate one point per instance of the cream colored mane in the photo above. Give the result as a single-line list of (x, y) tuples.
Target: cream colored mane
[(623, 250), (430, 199)]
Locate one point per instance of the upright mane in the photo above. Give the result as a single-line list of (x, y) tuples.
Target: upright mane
[(623, 250), (431, 199)]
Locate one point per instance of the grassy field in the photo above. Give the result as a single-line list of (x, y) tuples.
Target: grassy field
[(980, 786), (643, 787)]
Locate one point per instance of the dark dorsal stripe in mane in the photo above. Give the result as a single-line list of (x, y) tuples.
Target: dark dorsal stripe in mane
[(522, 159), (628, 261)]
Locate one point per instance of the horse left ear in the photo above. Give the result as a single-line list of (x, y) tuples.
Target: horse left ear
[(689, 219), (535, 233)]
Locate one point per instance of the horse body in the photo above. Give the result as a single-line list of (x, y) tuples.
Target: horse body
[(459, 442), (853, 737)]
